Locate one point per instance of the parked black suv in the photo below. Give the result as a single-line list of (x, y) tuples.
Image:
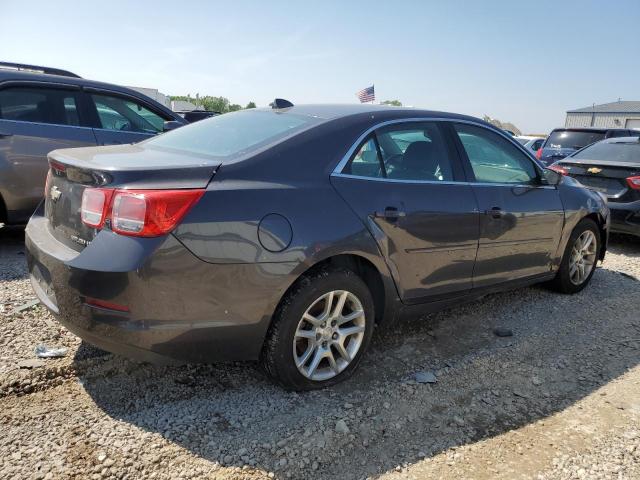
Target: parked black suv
[(43, 109), (564, 141)]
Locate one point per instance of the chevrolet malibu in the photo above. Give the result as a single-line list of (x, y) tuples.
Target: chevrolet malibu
[(287, 234)]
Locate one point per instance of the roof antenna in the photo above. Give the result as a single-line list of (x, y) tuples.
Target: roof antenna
[(280, 103)]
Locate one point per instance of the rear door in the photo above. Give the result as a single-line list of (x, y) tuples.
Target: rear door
[(407, 185), (521, 217), (34, 120), (121, 119)]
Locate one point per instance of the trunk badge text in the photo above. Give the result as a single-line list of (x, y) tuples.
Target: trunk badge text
[(594, 170), (55, 193)]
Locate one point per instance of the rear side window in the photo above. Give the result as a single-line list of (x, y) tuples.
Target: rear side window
[(611, 152), (125, 115), (416, 151), (233, 133), (39, 105), (493, 158), (575, 139)]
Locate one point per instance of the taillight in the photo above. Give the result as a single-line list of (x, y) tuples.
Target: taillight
[(141, 213), (634, 182), (539, 153), (559, 169), (95, 206)]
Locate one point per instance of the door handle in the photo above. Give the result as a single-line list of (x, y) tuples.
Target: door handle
[(390, 213), (495, 212)]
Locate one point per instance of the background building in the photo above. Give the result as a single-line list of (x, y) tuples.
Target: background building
[(622, 114)]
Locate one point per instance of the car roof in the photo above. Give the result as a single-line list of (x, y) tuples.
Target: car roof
[(588, 129), (335, 111), (630, 139), (11, 75)]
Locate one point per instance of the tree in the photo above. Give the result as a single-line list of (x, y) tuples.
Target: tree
[(234, 107), (213, 104), (250, 105), (395, 103)]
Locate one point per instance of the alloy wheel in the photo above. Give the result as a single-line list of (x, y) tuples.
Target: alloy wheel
[(329, 335), (583, 257)]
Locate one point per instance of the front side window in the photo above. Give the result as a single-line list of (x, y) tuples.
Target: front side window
[(494, 159), (415, 151), (39, 105), (116, 113)]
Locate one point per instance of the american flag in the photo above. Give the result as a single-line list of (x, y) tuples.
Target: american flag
[(367, 95)]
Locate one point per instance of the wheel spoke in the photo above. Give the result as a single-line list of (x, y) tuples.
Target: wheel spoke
[(337, 311), (300, 362), (315, 362), (332, 362), (308, 334), (345, 332), (316, 322), (587, 242), (343, 351), (328, 299), (351, 317)]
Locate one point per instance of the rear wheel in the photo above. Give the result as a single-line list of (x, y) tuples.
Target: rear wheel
[(579, 259), (320, 331)]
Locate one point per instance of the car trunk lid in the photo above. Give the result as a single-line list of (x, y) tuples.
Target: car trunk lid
[(122, 166), (609, 178)]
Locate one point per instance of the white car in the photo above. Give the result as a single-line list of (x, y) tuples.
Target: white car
[(532, 143)]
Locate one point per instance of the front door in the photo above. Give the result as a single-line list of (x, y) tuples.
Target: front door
[(521, 217), (407, 185), (35, 120)]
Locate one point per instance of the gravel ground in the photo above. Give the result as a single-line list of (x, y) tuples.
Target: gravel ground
[(560, 399)]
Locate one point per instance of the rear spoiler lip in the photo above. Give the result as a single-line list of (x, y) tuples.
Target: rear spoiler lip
[(599, 163), (153, 177)]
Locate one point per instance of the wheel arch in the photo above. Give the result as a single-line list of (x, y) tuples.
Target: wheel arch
[(602, 227)]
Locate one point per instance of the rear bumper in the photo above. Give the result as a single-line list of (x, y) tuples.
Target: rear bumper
[(625, 217), (181, 309)]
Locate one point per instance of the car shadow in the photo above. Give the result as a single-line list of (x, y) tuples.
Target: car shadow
[(563, 348), (12, 254)]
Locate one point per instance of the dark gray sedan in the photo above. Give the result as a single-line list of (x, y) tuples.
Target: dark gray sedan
[(288, 234)]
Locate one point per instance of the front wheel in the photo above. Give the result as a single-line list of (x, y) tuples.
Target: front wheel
[(320, 331), (580, 258)]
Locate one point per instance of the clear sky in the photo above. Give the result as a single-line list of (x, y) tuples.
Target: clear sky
[(524, 62)]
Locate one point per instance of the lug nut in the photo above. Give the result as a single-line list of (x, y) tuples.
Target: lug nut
[(335, 336)]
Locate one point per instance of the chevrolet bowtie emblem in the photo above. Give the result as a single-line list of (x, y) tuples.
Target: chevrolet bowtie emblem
[(55, 193), (594, 170)]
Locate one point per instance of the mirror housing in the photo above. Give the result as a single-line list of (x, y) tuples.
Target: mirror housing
[(552, 177), (171, 125)]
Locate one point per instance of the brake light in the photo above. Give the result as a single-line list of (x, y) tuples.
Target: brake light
[(141, 213), (559, 169), (539, 153), (634, 182), (95, 206)]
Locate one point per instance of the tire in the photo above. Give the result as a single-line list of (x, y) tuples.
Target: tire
[(292, 339), (565, 280)]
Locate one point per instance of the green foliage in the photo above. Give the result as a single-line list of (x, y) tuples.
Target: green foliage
[(395, 103), (213, 104)]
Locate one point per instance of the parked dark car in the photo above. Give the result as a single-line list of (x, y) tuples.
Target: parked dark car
[(196, 115), (286, 234), (564, 141), (612, 167), (42, 109)]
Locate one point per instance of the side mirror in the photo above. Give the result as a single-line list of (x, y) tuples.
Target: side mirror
[(552, 177), (171, 125)]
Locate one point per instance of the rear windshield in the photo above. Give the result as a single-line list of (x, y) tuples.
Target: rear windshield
[(572, 139), (233, 133), (611, 152)]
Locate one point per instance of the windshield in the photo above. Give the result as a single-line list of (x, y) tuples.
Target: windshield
[(575, 139), (233, 133), (611, 152)]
